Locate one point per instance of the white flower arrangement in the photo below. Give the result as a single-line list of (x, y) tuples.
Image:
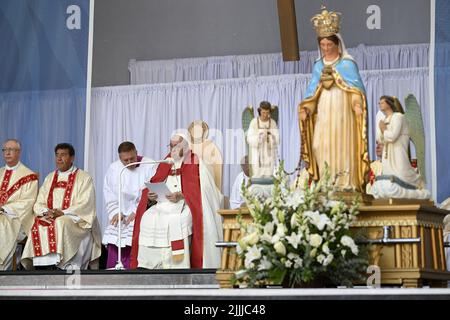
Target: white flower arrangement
[(298, 235)]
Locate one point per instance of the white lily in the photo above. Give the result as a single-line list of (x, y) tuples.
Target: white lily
[(294, 239), (264, 264), (328, 260), (348, 242), (253, 253), (319, 220)]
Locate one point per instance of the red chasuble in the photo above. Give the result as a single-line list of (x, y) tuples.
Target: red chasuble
[(190, 187), (6, 193)]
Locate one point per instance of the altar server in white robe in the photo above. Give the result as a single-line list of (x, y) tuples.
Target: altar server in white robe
[(65, 232), (133, 181), (18, 192), (236, 199), (180, 232)]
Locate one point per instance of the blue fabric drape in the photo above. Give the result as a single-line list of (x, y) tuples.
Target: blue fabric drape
[(41, 120), (442, 97), (43, 63)]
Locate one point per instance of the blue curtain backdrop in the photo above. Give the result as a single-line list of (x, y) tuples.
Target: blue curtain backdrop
[(442, 97), (43, 65)]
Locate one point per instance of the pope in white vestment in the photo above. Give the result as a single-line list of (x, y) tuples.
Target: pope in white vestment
[(181, 231), (18, 191), (65, 232), (133, 179)]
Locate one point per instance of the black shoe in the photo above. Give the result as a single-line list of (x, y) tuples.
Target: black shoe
[(46, 268)]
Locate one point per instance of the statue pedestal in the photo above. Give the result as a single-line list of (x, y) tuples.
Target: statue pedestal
[(401, 264), (406, 264), (230, 261), (261, 187)]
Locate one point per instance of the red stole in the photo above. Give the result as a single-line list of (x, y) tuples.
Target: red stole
[(190, 187), (68, 185), (6, 193)]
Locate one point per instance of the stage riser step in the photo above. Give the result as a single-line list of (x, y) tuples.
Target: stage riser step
[(111, 281)]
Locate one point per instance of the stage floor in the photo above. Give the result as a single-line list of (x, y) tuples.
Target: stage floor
[(176, 285), (105, 292)]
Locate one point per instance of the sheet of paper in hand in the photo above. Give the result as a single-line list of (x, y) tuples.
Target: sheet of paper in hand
[(160, 188)]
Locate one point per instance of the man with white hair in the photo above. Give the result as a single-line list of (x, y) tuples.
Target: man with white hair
[(18, 192), (181, 230)]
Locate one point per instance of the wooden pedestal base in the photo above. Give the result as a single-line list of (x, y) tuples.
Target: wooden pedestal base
[(401, 264)]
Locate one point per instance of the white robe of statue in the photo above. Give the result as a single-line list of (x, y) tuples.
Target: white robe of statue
[(395, 162), (132, 185), (263, 138)]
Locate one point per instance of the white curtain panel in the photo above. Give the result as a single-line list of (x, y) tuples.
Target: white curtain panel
[(241, 66), (148, 114)]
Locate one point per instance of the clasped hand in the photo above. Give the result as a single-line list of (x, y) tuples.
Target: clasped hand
[(53, 214), (382, 125), (126, 219)]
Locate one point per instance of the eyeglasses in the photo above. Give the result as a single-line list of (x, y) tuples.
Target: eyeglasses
[(4, 150)]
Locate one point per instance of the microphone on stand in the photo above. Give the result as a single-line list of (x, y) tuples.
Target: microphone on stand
[(119, 265)]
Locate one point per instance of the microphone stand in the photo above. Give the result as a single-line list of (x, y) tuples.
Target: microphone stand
[(119, 265)]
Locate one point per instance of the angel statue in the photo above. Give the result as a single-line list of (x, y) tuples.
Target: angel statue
[(263, 139), (398, 178)]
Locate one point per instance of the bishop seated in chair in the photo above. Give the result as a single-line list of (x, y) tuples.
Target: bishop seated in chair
[(65, 233), (18, 191)]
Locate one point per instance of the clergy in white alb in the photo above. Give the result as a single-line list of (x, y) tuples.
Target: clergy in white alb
[(376, 168), (236, 199), (65, 232), (18, 192), (181, 230), (133, 181)]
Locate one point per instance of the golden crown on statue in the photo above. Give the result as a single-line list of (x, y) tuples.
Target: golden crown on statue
[(326, 23)]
